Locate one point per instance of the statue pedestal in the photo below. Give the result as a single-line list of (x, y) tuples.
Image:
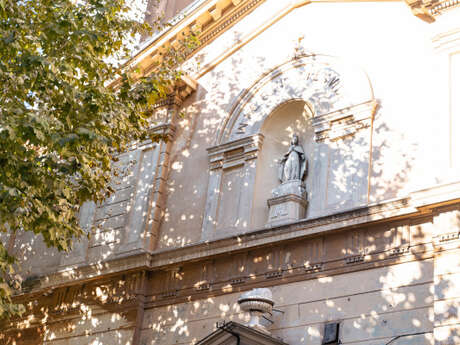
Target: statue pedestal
[(287, 204)]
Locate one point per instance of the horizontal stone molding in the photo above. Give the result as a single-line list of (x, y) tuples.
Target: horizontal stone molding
[(403, 210), (284, 198), (207, 20), (235, 152), (345, 122)]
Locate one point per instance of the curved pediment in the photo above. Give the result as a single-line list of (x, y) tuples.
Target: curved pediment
[(327, 84)]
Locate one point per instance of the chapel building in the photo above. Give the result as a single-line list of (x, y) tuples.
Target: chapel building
[(307, 191)]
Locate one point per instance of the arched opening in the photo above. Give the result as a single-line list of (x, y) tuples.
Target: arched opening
[(336, 141), (288, 118)]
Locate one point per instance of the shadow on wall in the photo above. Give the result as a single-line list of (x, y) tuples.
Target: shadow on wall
[(339, 175), (384, 305), (204, 113), (378, 306), (393, 158)]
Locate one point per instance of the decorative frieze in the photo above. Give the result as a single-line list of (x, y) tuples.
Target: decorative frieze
[(230, 19), (202, 286), (354, 259), (169, 294), (207, 22), (238, 281), (313, 268), (400, 250), (308, 258), (449, 237), (445, 239), (273, 274), (439, 7)]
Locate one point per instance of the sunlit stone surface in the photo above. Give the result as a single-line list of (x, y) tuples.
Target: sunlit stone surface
[(368, 238)]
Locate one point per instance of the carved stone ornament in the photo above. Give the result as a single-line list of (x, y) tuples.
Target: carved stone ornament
[(293, 165), (288, 202), (257, 302), (428, 10)]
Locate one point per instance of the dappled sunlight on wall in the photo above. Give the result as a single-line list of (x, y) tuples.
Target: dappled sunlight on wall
[(186, 179), (390, 180), (289, 118), (388, 302)]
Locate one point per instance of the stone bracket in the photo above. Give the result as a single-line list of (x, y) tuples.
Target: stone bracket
[(354, 259), (400, 250), (312, 268)]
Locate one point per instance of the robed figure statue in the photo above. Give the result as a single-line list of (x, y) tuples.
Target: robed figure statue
[(293, 165)]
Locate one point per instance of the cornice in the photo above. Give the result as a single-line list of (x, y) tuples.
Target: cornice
[(429, 201), (428, 10), (212, 18), (209, 20)]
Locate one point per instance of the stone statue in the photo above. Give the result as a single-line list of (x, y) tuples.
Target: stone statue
[(289, 199), (293, 165)]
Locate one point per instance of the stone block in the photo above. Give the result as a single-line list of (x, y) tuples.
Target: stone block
[(446, 262), (447, 312), (85, 326), (395, 324), (368, 303), (447, 335), (447, 286), (370, 280), (288, 203)]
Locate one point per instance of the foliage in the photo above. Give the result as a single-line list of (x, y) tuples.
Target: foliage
[(60, 124)]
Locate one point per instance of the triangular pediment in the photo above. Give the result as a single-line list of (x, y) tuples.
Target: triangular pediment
[(229, 333)]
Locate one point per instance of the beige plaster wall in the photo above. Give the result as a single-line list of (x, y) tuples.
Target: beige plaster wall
[(381, 304), (35, 258), (187, 179), (412, 143), (92, 327), (409, 136)]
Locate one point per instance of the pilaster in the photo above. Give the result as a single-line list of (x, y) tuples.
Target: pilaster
[(157, 198)]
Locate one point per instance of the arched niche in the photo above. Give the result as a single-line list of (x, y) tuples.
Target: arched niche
[(333, 89), (293, 116), (334, 100)]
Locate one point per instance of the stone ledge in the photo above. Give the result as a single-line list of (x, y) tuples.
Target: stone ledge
[(405, 208), (284, 198)]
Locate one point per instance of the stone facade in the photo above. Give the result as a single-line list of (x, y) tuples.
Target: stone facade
[(371, 240)]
